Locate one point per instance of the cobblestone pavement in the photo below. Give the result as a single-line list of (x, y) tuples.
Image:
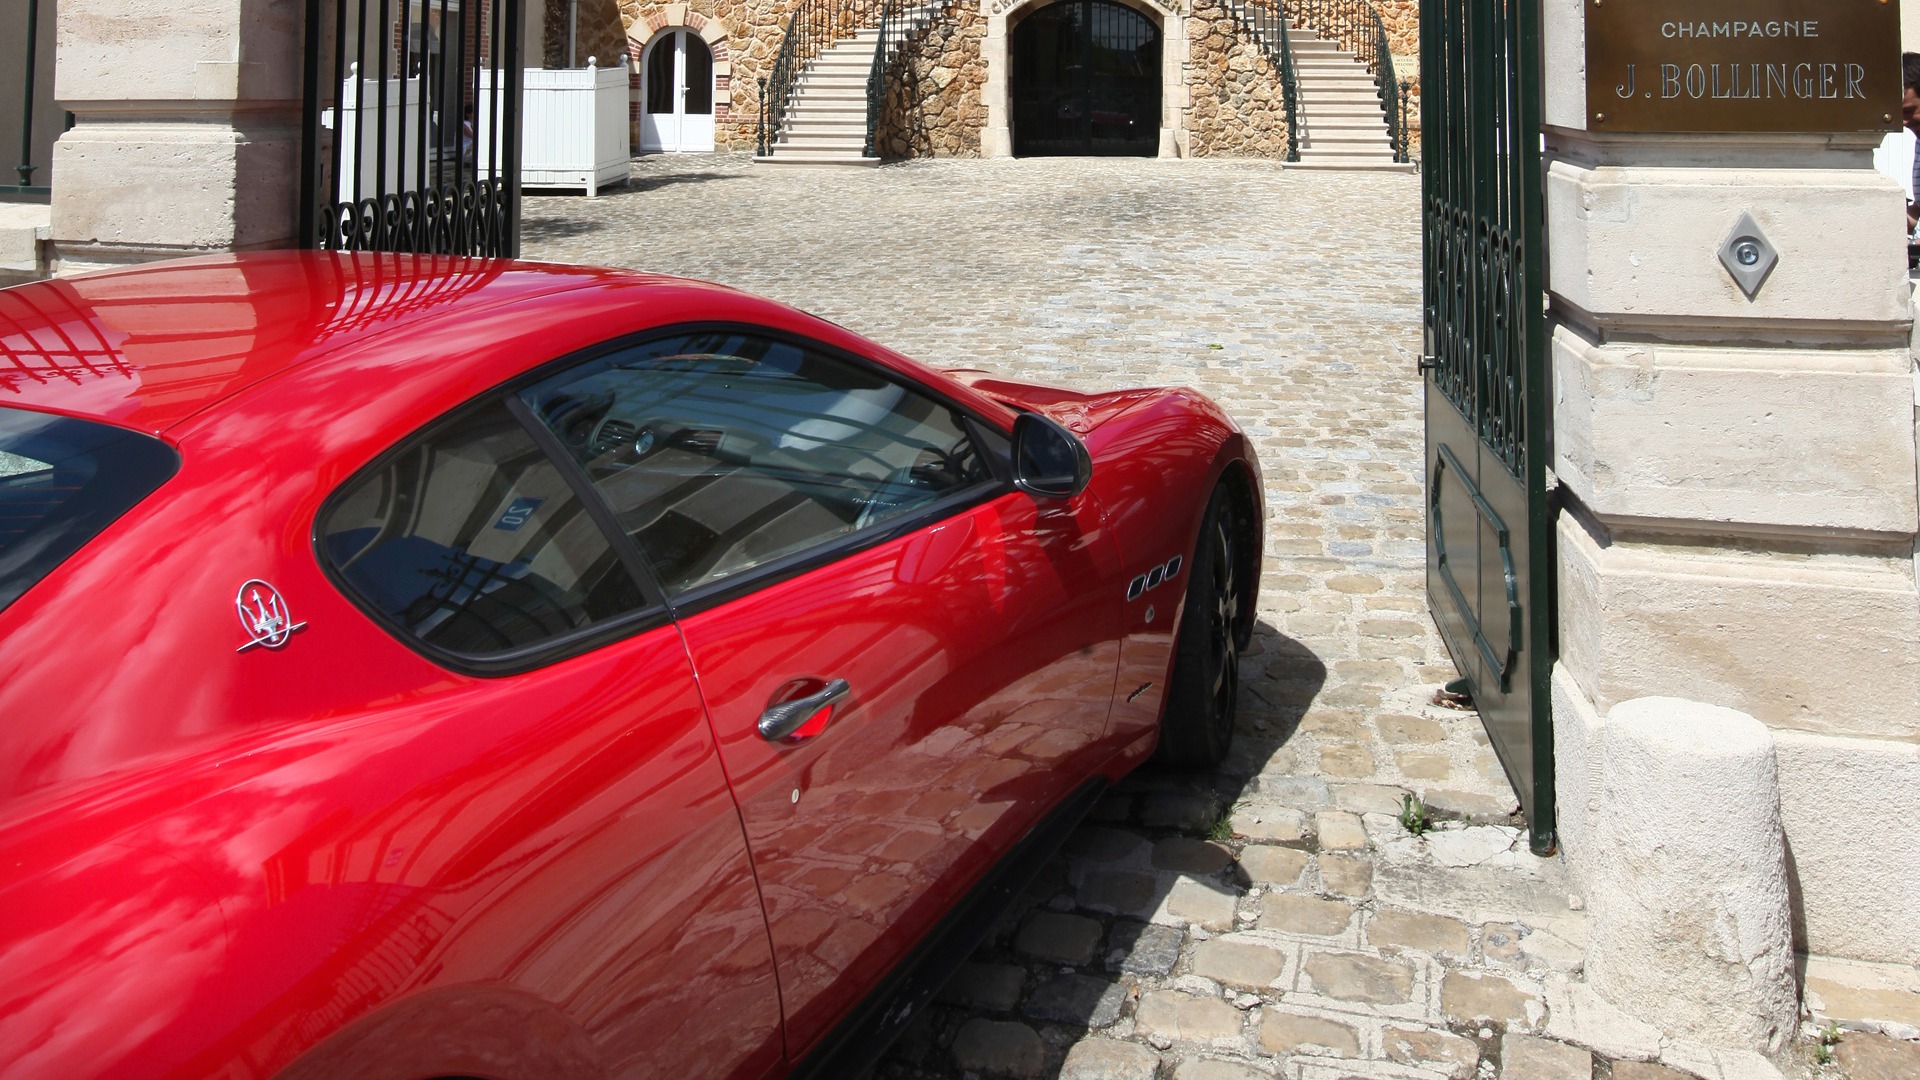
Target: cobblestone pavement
[(1273, 918)]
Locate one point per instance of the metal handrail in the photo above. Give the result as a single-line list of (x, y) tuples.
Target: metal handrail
[(814, 26), (1266, 25), (1355, 26)]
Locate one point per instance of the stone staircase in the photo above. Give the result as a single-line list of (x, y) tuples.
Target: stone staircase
[(1342, 125), (827, 118)]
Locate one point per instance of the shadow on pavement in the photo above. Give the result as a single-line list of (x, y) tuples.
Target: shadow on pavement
[(1114, 907)]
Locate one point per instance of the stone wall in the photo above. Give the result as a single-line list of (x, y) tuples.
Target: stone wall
[(598, 33), (1235, 104), (933, 105), (1402, 19)]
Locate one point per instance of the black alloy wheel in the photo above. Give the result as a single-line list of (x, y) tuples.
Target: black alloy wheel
[(1205, 691)]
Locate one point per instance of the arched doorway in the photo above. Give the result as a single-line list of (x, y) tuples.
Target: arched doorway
[(676, 93), (1086, 80)]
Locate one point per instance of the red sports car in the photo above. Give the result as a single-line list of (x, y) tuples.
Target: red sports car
[(417, 667)]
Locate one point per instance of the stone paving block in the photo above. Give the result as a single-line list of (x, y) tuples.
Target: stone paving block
[(1270, 864), (1082, 1000), (1063, 939), (1868, 1056), (1186, 1018), (1296, 913), (1269, 821), (1346, 875), (1358, 978), (1209, 1069), (1183, 855), (1469, 803), (1118, 892), (1143, 948), (1001, 1047), (1107, 845), (1368, 798), (1339, 830), (1390, 929), (1245, 965), (994, 987), (1524, 1057), (1201, 903), (1644, 1070), (1109, 1059), (1296, 1033), (1457, 1056), (1299, 792), (1419, 765), (1469, 996), (1345, 759), (1192, 811)]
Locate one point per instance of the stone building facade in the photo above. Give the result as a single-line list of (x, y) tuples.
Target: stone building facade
[(949, 95)]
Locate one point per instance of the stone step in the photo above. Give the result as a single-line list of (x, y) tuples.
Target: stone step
[(808, 143), (1338, 97), (1347, 164), (829, 123), (788, 158)]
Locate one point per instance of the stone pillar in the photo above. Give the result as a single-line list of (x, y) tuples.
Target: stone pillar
[(186, 134), (996, 139), (1688, 891), (1739, 481)]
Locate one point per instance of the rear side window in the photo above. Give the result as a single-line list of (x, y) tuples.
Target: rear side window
[(469, 540), (62, 481)]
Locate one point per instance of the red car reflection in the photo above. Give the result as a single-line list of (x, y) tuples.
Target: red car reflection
[(421, 667)]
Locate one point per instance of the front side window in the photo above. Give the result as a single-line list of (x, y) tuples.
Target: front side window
[(719, 451), (469, 540), (62, 481)]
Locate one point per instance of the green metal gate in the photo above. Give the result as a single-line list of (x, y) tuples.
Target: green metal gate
[(1490, 562)]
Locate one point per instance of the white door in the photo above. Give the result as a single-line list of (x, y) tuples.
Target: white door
[(677, 93)]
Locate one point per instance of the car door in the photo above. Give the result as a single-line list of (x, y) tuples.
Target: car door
[(842, 554), (573, 774)]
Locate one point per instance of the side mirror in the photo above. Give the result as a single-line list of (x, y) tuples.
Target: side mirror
[(1048, 460)]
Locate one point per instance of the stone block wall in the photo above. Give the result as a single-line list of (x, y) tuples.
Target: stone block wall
[(1235, 104), (1402, 19), (933, 105), (598, 33)]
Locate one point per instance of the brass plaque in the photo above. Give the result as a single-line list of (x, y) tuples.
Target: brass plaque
[(1743, 65)]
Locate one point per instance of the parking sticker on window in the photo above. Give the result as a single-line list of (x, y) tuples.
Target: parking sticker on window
[(517, 513)]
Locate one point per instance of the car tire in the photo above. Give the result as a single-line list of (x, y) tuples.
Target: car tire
[(1197, 725)]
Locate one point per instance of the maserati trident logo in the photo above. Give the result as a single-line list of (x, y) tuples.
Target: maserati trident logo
[(263, 615)]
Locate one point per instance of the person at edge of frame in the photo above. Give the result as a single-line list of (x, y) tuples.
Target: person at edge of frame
[(1895, 157)]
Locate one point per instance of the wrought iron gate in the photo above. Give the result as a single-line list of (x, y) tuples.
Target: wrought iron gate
[(412, 126), (1086, 80), (1490, 560)]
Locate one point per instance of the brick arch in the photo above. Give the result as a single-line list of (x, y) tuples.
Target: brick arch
[(678, 17)]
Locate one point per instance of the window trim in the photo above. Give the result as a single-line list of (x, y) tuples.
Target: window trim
[(712, 594), (515, 661), (661, 610)]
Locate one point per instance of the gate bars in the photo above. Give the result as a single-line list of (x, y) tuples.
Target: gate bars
[(413, 144), (1485, 280)]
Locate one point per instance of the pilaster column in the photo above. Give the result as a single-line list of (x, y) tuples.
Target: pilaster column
[(1738, 476), (186, 135)]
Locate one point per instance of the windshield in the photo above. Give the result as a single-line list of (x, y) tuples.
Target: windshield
[(61, 482)]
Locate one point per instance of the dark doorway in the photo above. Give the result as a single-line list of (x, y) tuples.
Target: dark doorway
[(1086, 80)]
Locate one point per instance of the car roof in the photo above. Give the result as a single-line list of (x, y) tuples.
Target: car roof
[(149, 346)]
